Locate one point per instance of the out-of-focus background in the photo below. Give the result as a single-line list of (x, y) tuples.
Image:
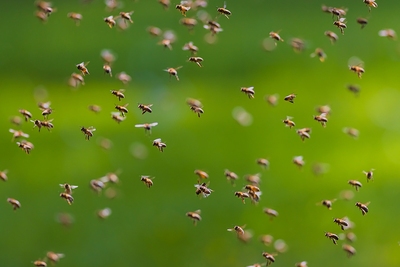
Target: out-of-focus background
[(148, 227)]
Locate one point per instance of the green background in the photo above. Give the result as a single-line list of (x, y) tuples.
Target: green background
[(148, 227)]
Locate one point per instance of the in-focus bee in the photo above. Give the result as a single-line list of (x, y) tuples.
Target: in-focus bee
[(88, 132), (369, 174), (160, 145), (352, 132), (26, 146), (107, 69), (271, 213), (68, 188), (189, 23), (95, 108), (362, 22), (104, 213), (341, 222), (201, 174), (275, 36), (328, 203), (357, 69), (242, 195), (320, 54), (82, 67), (355, 183), (363, 207), (231, 176), (238, 229), (118, 93), (190, 47), (164, 3), (146, 180), (126, 16), (340, 23), (203, 189), (194, 215), (354, 88), (304, 133), (40, 263), (46, 124), (27, 115), (350, 250), (67, 197), (269, 257), (195, 105), (147, 126), (249, 91), (297, 45), (110, 21), (145, 108), (288, 122), (196, 60), (14, 203), (183, 9), (290, 98), (322, 119), (263, 163), (54, 257), (332, 236), (370, 3), (75, 17), (17, 134), (332, 36), (122, 109), (254, 179), (389, 33), (173, 72), (224, 11), (252, 188), (75, 80), (123, 77), (298, 160), (3, 175)]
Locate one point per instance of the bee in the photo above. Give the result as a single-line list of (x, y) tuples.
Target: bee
[(242, 195), (14, 203), (41, 16), (297, 45), (224, 11), (201, 174), (183, 9), (354, 88), (213, 26), (362, 22), (263, 163), (26, 146), (322, 119), (197, 110), (173, 72), (266, 239), (389, 33), (190, 47), (169, 39), (54, 257), (203, 189), (88, 132), (254, 179), (369, 174), (154, 31), (75, 17), (110, 21), (45, 7), (97, 185), (147, 126), (75, 80), (271, 213), (252, 188), (117, 117), (95, 108), (68, 188), (111, 5), (189, 23), (340, 23), (107, 56), (17, 134), (46, 124), (350, 250), (104, 213), (320, 168), (341, 222), (298, 160), (27, 115), (196, 60), (146, 180), (46, 112), (254, 196), (67, 197), (301, 264), (238, 229), (164, 3), (107, 69), (370, 3), (126, 16), (269, 257), (272, 99), (346, 194), (332, 36), (199, 3), (304, 133), (249, 91), (352, 132), (357, 69), (355, 183), (40, 263), (320, 54), (363, 207), (194, 215), (332, 236), (338, 12), (351, 237), (124, 78), (82, 67), (145, 108), (157, 142), (275, 36), (16, 120), (288, 122), (110, 177), (290, 98), (3, 175), (328, 203), (122, 109), (230, 176)]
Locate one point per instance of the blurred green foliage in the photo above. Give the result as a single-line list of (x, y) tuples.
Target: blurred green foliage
[(148, 227)]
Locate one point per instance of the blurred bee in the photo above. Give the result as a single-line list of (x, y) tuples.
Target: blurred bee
[(203, 189), (54, 257), (104, 213), (116, 116), (301, 264), (231, 176), (357, 69), (173, 72), (111, 5), (190, 47), (341, 222), (254, 179), (75, 80), (44, 105), (196, 60), (290, 98), (88, 132), (110, 177), (272, 99), (157, 142), (238, 229), (197, 110), (147, 126), (126, 16), (40, 263), (182, 8), (65, 219), (249, 91), (320, 54), (288, 122), (164, 3), (194, 215), (389, 33), (3, 175), (338, 12), (14, 203), (145, 108), (169, 39), (16, 120), (324, 109), (304, 133), (27, 115), (95, 108), (370, 3), (352, 132), (326, 9), (242, 195), (189, 23), (41, 16), (275, 36), (254, 196), (75, 17), (255, 265), (369, 174), (45, 7), (263, 163), (199, 3), (332, 36), (340, 23), (68, 188), (82, 67), (146, 180), (110, 21), (327, 203), (26, 146), (122, 109), (224, 11), (67, 197), (201, 174), (351, 237), (355, 183), (17, 134), (271, 213), (269, 257), (266, 239), (322, 119), (320, 168), (354, 88), (107, 56), (363, 207), (350, 250), (298, 160), (346, 194), (97, 185), (213, 26), (154, 31), (124, 78), (297, 45), (45, 124), (107, 69), (362, 22), (332, 236)]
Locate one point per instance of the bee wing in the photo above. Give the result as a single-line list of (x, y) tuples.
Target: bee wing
[(157, 140), (177, 68), (121, 90), (382, 33), (355, 61), (153, 124), (12, 130), (74, 186), (62, 185), (197, 211), (91, 128), (140, 126), (342, 19)]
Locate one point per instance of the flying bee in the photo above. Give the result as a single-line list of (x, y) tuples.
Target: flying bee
[(327, 203), (201, 174), (350, 250), (160, 145), (197, 110), (269, 257), (298, 160), (41, 16), (338, 12), (117, 117), (75, 80), (122, 109), (199, 3), (249, 91), (95, 108), (267, 239), (16, 120), (107, 56), (189, 23), (154, 31), (288, 122), (352, 132), (17, 134), (362, 22), (304, 133), (340, 23), (26, 146), (242, 195), (194, 215), (54, 257), (45, 7), (322, 119), (14, 203), (111, 177), (118, 93), (230, 176), (271, 213), (145, 108), (297, 45), (252, 188), (75, 17), (238, 229), (190, 47), (183, 9), (203, 189), (254, 179), (301, 264), (111, 5), (341, 222), (44, 105), (46, 124), (254, 196), (104, 213), (123, 77), (88, 132), (3, 175), (126, 16), (97, 185), (164, 3), (46, 112), (370, 3), (354, 88), (263, 163), (110, 21), (224, 11), (320, 54), (369, 174), (196, 60), (332, 36), (275, 36), (173, 72), (213, 27), (363, 207), (332, 236), (40, 263), (357, 69), (147, 126), (290, 98), (351, 237), (146, 180), (82, 67), (389, 33), (355, 183), (67, 197), (27, 115), (107, 69), (68, 188)]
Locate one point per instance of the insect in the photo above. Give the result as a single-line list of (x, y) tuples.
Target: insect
[(213, 27), (288, 122), (68, 188), (104, 213), (54, 257), (322, 119), (45, 7), (189, 23), (254, 179), (67, 197), (389, 33), (88, 132), (272, 99), (351, 237), (252, 188), (271, 213), (370, 3), (160, 145), (249, 91), (16, 120), (357, 69), (201, 174), (354, 88), (332, 36), (301, 264), (297, 45), (169, 39), (107, 56), (3, 175), (362, 22), (254, 196), (340, 23), (147, 126), (341, 222), (304, 133), (154, 31), (146, 180), (194, 215), (269, 257), (26, 146), (27, 115), (17, 134), (75, 80), (46, 124), (320, 54), (117, 117), (182, 8), (355, 183), (145, 108), (197, 110), (126, 16), (196, 60), (224, 11), (242, 195), (110, 21), (14, 203), (164, 3), (266, 239), (352, 132), (350, 250), (190, 47), (238, 229), (263, 163), (122, 109), (203, 189), (95, 108), (195, 105), (41, 16), (369, 174), (363, 207), (97, 185), (328, 203), (123, 77), (332, 236), (110, 177), (111, 5), (40, 263), (173, 72), (298, 160), (75, 17), (82, 67), (338, 12), (46, 112), (230, 176), (275, 36), (290, 98), (107, 69)]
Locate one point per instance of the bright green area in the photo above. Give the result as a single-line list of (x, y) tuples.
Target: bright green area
[(148, 227)]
